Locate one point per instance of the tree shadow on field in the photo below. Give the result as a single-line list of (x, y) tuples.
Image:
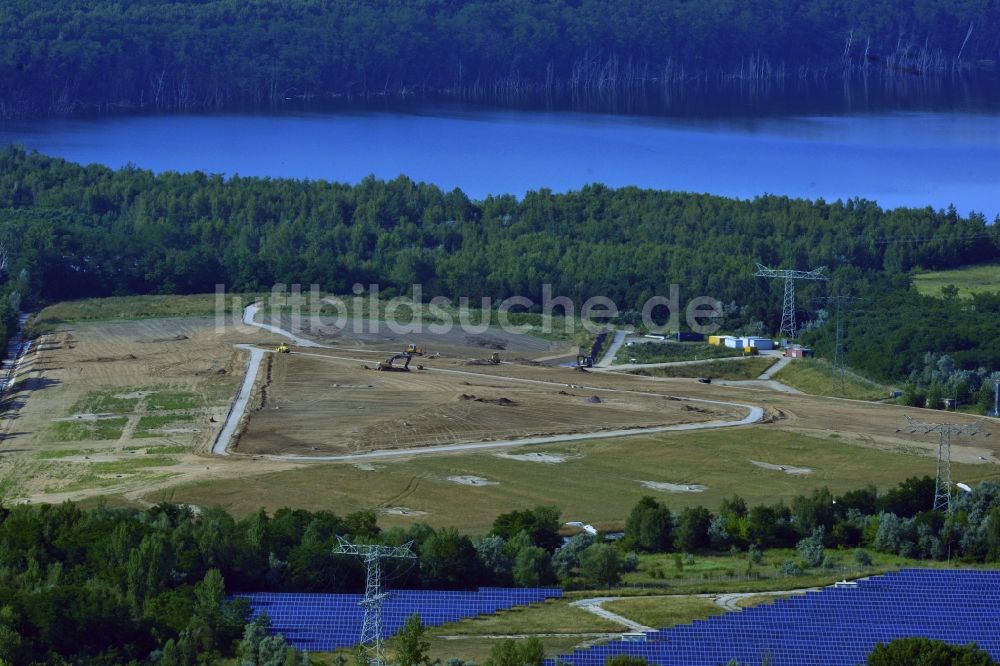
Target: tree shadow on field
[(16, 399)]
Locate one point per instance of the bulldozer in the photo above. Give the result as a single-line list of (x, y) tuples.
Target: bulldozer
[(494, 358), (414, 350), (389, 365), (282, 348)]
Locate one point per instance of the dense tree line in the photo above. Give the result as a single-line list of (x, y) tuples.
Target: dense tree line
[(898, 521), (116, 586), (902, 335), (941, 380), (66, 55), (81, 231)]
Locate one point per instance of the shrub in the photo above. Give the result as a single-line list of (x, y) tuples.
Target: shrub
[(790, 568), (927, 652), (810, 549), (630, 562)]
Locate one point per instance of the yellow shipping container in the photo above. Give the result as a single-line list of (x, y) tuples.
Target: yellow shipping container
[(715, 340)]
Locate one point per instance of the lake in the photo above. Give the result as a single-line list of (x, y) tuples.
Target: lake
[(911, 158)]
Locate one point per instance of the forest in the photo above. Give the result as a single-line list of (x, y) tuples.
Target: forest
[(117, 586), (67, 56), (75, 231)]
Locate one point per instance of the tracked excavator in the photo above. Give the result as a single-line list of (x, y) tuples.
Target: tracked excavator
[(389, 365), (282, 348)]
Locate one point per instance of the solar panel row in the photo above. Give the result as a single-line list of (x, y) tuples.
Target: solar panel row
[(836, 625), (324, 622)]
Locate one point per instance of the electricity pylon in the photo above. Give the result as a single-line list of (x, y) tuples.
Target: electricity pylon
[(788, 307), (372, 556), (945, 431), (840, 303)]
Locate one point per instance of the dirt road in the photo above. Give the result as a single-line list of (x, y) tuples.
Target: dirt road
[(249, 318), (593, 605), (777, 367), (616, 344), (236, 412)]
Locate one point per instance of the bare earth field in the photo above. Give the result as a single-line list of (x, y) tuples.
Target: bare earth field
[(118, 407), (129, 410), (338, 407)]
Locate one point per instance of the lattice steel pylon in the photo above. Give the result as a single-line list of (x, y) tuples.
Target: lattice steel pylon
[(788, 306), (840, 303), (372, 555), (945, 431)]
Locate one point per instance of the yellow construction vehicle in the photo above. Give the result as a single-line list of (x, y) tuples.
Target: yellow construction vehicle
[(414, 349), (282, 348)]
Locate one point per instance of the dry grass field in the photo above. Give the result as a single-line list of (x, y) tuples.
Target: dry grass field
[(595, 481)]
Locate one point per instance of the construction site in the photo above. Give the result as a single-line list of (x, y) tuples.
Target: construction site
[(250, 415)]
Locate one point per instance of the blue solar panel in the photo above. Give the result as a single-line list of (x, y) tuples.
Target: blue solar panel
[(325, 622), (836, 626)]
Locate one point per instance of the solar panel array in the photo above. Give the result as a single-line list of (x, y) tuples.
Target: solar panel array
[(325, 622), (836, 625)]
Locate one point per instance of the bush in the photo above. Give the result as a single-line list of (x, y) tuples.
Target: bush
[(630, 562), (790, 568), (625, 660), (600, 564), (566, 559), (810, 549), (927, 652), (517, 653), (862, 558), (755, 555)]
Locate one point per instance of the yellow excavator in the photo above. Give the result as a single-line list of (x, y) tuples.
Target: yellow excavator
[(414, 350), (282, 348)]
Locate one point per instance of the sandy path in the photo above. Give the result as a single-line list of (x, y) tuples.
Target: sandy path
[(627, 367), (593, 605), (221, 445), (613, 348), (249, 315)]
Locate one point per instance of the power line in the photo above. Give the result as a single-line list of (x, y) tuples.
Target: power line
[(840, 302), (945, 431), (788, 304), (372, 556), (924, 239)]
